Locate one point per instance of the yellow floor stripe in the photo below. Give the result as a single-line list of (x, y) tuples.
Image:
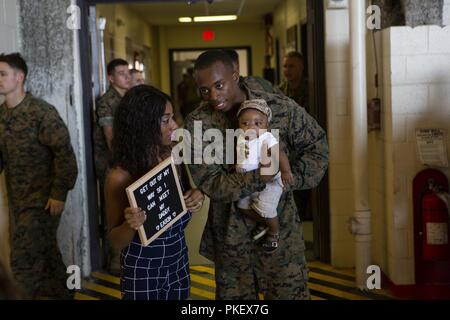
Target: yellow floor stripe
[(335, 292), (203, 269), (332, 279), (102, 289), (204, 281), (326, 267), (80, 296), (203, 293), (106, 277)]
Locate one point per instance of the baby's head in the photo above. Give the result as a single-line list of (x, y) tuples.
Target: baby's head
[(254, 114)]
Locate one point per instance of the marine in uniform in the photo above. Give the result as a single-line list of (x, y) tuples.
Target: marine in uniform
[(295, 85), (40, 168), (242, 269)]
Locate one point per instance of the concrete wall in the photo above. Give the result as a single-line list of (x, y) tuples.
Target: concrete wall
[(9, 35), (48, 46), (446, 14)]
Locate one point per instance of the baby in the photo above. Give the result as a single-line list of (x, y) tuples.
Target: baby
[(255, 116)]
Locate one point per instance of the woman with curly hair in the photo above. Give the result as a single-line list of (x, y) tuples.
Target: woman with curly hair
[(142, 130)]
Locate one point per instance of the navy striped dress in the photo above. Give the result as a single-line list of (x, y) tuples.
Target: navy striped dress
[(159, 271)]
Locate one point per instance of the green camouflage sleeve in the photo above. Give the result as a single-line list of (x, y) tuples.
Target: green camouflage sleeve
[(311, 161), (54, 134), (104, 113), (218, 184)]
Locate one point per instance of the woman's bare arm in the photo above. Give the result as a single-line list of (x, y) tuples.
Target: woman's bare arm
[(120, 233)]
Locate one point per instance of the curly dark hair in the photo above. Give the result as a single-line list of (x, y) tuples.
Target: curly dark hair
[(137, 142)]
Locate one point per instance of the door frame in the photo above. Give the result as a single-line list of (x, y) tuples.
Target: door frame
[(318, 109)]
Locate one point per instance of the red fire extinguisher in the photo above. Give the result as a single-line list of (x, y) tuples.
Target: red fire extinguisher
[(435, 226)]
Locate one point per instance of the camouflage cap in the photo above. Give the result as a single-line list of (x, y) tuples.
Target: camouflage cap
[(257, 104)]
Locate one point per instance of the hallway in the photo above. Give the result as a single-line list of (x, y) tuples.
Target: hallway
[(325, 283)]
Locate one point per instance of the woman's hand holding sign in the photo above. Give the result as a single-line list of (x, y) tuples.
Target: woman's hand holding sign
[(135, 217), (194, 200)]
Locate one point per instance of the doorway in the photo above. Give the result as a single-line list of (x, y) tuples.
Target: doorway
[(182, 58)]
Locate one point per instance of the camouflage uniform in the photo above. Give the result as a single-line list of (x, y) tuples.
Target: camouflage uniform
[(261, 84), (299, 95), (226, 239), (106, 106), (39, 164)]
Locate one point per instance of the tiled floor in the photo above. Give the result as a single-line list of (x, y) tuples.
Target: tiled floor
[(325, 283)]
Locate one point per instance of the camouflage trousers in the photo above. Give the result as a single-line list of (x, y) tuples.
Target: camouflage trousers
[(248, 271), (247, 284), (35, 258)]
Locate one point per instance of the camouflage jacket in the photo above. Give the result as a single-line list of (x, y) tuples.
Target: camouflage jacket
[(106, 106), (36, 153), (226, 239), (261, 84), (299, 95)]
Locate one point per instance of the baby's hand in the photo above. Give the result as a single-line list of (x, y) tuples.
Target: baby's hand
[(287, 178)]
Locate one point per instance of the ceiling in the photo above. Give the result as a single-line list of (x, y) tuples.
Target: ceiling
[(167, 12)]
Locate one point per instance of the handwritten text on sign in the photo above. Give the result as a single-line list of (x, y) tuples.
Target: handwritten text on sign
[(159, 194)]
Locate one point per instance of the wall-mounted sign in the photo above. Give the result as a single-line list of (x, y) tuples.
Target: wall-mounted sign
[(432, 147)]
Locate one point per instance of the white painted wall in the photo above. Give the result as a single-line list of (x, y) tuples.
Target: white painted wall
[(417, 62), (337, 39), (9, 35), (414, 74)]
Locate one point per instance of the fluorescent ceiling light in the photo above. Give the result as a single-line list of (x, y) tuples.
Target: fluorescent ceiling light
[(215, 18), (185, 19)]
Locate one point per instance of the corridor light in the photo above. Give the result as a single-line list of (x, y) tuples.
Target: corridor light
[(215, 18), (185, 19)]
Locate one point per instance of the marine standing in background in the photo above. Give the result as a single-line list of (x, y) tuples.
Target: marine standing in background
[(295, 86), (119, 80), (137, 78), (40, 168)]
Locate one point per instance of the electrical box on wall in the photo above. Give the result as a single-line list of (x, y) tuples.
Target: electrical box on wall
[(374, 114), (337, 4)]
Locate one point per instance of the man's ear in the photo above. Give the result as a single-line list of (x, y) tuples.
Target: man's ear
[(20, 76), (110, 78), (235, 76)]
